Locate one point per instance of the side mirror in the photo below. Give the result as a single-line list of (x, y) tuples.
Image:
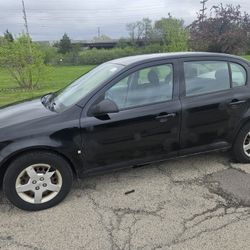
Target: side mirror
[(104, 107)]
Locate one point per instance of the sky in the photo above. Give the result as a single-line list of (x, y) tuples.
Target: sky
[(80, 19)]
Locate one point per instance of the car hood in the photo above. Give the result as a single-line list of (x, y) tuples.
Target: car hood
[(23, 112)]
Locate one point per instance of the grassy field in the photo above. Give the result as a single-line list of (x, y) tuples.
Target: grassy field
[(55, 79), (247, 57)]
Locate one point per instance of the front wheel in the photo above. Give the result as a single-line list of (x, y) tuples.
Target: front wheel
[(38, 180)]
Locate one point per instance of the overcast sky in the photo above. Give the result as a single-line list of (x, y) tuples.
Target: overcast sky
[(49, 19)]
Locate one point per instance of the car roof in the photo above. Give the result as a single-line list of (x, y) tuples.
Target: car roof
[(159, 56)]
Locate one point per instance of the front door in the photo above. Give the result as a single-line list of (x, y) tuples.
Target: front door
[(147, 125)]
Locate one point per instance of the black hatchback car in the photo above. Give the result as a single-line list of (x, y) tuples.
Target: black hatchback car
[(125, 112)]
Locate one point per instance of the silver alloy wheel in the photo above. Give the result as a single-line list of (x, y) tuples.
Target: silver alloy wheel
[(38, 183), (246, 144)]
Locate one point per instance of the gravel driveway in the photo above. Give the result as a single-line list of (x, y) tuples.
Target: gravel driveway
[(200, 202)]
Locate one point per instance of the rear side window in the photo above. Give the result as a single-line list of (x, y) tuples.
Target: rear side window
[(203, 77), (239, 75)]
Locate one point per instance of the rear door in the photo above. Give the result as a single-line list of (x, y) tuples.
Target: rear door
[(215, 96)]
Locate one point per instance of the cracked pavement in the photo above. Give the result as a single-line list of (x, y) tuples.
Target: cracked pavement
[(200, 202)]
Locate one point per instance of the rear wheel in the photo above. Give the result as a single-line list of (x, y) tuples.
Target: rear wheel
[(241, 147), (36, 181)]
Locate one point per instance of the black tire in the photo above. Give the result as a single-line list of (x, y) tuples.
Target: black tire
[(238, 150), (22, 162)]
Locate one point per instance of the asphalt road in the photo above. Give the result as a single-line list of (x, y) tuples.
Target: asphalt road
[(201, 202)]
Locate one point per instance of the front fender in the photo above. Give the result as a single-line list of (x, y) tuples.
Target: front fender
[(65, 148)]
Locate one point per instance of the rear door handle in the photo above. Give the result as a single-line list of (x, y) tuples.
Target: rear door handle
[(237, 102), (165, 116)]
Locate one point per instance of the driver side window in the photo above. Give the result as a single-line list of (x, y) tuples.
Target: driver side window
[(146, 86)]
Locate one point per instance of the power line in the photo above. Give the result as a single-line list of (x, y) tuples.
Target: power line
[(137, 8), (93, 9)]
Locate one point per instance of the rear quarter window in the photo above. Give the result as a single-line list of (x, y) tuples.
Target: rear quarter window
[(239, 75)]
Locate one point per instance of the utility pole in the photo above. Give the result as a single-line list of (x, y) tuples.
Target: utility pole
[(25, 19), (203, 10), (26, 28), (28, 40)]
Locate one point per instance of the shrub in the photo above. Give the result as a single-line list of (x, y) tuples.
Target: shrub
[(24, 60), (98, 56), (95, 56)]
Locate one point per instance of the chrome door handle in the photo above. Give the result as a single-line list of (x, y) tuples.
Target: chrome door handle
[(165, 116), (236, 102)]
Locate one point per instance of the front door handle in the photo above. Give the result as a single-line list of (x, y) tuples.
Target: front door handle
[(237, 102), (165, 116)]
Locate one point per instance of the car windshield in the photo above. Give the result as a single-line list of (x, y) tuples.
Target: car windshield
[(84, 85)]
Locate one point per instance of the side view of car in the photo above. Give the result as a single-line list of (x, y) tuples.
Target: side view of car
[(125, 112)]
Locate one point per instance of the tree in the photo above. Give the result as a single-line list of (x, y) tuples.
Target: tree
[(140, 32), (64, 45), (148, 30), (248, 44), (50, 54), (123, 43), (24, 61), (8, 36), (131, 27), (172, 34), (226, 30)]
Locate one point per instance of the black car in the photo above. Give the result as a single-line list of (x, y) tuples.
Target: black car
[(125, 112)]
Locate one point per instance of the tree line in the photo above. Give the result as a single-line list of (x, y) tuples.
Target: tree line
[(225, 29)]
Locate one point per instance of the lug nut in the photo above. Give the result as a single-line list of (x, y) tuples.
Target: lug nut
[(33, 182), (45, 185), (41, 179), (37, 188)]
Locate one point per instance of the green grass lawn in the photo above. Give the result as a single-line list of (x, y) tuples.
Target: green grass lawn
[(247, 57), (55, 79)]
